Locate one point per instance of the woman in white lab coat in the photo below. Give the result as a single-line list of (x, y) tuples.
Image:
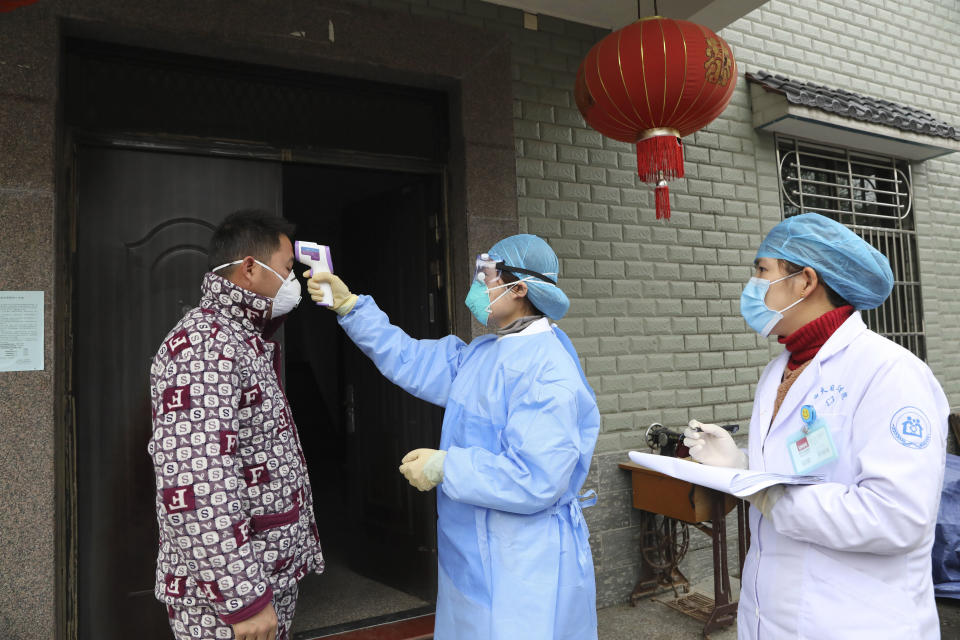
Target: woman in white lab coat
[(849, 558)]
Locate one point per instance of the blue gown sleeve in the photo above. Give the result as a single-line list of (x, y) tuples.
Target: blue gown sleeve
[(540, 452), (423, 368)]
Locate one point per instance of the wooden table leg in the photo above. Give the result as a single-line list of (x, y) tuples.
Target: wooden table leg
[(724, 611), (743, 533)]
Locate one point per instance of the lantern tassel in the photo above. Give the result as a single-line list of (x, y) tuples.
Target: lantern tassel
[(663, 200), (659, 157)]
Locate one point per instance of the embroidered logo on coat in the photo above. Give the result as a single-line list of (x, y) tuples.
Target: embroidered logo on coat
[(251, 396), (175, 399), (177, 499), (253, 314), (209, 590), (301, 573), (228, 442), (178, 342), (175, 585), (282, 564), (256, 474), (256, 344), (829, 398), (911, 428), (241, 532)]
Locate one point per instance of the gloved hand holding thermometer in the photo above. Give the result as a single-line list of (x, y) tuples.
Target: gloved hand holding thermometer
[(343, 300), (317, 257)]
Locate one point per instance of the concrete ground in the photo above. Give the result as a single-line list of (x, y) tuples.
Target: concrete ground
[(652, 620), (949, 610)]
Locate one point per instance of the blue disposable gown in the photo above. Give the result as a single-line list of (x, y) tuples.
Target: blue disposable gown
[(946, 541), (519, 429)]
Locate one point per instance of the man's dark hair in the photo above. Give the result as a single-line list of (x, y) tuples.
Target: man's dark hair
[(249, 232), (835, 298)]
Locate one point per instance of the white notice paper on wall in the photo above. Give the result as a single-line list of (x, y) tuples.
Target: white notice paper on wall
[(738, 482), (21, 330)]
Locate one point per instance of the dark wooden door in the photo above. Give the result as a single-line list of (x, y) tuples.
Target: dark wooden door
[(399, 264), (144, 223)]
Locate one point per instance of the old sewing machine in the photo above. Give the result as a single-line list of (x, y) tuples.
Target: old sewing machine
[(667, 507)]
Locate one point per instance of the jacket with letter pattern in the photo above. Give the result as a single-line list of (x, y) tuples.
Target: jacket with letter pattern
[(234, 504)]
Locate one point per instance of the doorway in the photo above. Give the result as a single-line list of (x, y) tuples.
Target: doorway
[(378, 533), (166, 146), (144, 221)]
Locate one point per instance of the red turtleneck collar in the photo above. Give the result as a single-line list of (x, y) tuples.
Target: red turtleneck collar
[(805, 342)]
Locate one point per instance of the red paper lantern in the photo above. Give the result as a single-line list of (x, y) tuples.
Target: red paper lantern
[(652, 83), (9, 5)]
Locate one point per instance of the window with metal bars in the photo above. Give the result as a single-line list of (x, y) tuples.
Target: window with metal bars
[(872, 195)]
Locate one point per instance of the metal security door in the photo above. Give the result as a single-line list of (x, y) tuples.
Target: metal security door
[(144, 222), (395, 525)]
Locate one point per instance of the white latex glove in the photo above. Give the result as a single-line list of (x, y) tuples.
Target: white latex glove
[(343, 300), (765, 499), (423, 468), (713, 445)]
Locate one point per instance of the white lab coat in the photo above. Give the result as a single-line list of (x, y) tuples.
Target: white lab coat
[(850, 558)]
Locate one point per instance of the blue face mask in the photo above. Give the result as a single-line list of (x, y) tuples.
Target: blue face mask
[(478, 299), (478, 302), (754, 309)]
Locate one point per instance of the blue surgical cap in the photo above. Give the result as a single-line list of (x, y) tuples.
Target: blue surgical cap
[(856, 271), (527, 251)]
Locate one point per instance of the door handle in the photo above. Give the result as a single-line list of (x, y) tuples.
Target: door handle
[(349, 409)]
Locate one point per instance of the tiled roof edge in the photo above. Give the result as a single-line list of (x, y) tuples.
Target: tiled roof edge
[(855, 106)]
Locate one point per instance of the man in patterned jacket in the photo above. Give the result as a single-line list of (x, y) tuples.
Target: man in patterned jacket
[(234, 504)]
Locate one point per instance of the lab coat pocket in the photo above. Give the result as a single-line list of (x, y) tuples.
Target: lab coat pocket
[(841, 469), (844, 603)]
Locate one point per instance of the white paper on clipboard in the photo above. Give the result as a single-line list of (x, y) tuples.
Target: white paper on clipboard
[(738, 482)]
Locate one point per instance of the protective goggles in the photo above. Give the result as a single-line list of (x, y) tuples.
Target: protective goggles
[(489, 267)]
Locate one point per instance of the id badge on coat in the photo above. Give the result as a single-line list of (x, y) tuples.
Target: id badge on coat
[(811, 447)]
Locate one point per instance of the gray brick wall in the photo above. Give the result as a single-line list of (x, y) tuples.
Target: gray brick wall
[(901, 52), (655, 312)]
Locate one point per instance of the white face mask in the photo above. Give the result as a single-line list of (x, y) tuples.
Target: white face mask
[(288, 295), (754, 309)]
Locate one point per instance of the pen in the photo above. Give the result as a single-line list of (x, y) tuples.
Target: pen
[(729, 428)]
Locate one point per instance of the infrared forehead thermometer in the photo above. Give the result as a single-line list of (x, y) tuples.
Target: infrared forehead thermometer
[(317, 257)]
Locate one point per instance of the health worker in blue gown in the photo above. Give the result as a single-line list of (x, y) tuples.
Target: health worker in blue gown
[(518, 434)]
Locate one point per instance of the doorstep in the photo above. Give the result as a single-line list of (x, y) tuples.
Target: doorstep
[(419, 628)]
